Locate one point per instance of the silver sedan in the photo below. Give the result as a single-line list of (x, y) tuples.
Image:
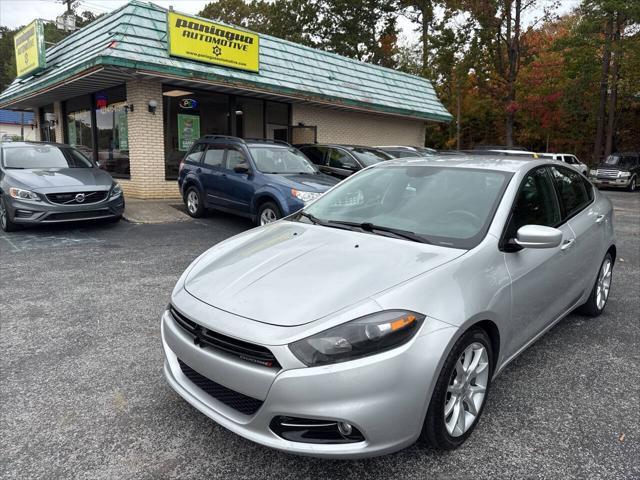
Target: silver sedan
[(381, 312)]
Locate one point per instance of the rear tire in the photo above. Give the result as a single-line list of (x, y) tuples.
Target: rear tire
[(594, 306), (193, 201), (460, 393), (5, 222)]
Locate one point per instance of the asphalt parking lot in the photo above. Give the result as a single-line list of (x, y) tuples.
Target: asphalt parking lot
[(83, 396)]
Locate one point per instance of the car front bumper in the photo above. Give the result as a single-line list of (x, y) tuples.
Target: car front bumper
[(611, 182), (37, 212), (384, 396)]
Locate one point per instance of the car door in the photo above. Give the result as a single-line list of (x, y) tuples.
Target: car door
[(238, 188), (539, 277), (211, 174), (587, 223), (342, 163)]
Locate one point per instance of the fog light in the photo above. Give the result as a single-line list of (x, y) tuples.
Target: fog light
[(345, 428)]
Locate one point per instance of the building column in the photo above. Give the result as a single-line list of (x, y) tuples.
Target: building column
[(57, 110), (146, 143)]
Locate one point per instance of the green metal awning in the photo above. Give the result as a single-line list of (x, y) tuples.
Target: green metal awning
[(131, 42)]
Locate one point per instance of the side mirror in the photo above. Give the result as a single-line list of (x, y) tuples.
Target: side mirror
[(241, 168), (538, 236)]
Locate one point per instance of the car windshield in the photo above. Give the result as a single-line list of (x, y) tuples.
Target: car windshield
[(441, 205), (619, 160), (369, 156), (43, 157), (281, 160)]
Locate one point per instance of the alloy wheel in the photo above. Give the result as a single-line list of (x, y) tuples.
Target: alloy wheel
[(192, 202), (633, 185), (3, 215), (467, 389), (268, 216), (604, 284)]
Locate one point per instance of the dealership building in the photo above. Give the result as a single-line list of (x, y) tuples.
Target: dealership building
[(134, 88)]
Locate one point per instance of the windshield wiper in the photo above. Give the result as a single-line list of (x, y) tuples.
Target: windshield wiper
[(325, 223), (372, 228)]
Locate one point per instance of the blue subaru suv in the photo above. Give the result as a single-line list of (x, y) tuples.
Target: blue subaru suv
[(260, 179)]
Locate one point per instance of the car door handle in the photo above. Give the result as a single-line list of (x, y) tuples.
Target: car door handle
[(600, 219), (567, 244)]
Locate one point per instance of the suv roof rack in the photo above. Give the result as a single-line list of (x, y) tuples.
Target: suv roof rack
[(267, 140), (228, 137)]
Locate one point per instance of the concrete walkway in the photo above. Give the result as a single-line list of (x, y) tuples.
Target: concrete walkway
[(155, 211)]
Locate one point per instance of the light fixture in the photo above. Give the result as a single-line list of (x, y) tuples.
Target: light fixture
[(239, 112), (152, 106), (176, 93)]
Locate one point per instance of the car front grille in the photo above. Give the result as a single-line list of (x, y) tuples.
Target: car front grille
[(242, 403), (71, 198), (607, 173), (82, 215), (246, 351)]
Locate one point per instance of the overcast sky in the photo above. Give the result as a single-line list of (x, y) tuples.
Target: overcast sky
[(14, 13)]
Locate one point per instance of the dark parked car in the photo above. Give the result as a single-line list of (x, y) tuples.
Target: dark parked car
[(343, 160), (404, 151), (44, 182), (620, 170), (259, 179)]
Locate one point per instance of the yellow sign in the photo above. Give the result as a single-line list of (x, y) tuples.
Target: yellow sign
[(29, 48), (210, 42)]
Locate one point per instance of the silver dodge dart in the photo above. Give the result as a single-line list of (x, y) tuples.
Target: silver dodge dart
[(381, 312)]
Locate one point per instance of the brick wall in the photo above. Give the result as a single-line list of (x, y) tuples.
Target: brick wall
[(342, 126), (146, 144)]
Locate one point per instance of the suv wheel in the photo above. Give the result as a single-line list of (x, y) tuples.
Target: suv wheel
[(193, 201), (632, 184), (268, 213), (5, 222), (461, 391)]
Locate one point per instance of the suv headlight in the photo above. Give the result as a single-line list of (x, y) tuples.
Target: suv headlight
[(306, 197), (358, 338), (624, 174), (23, 194), (116, 189), (593, 172)]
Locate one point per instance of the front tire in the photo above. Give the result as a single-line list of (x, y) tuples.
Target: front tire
[(5, 222), (632, 184), (193, 201), (594, 306), (461, 391), (268, 213)]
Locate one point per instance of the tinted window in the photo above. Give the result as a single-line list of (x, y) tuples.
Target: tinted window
[(44, 156), (196, 152), (315, 154), (535, 203), (446, 206), (370, 156), (626, 161), (214, 156), (341, 159), (575, 193), (235, 158)]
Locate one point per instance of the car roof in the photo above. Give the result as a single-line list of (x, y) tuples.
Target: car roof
[(29, 143), (506, 163)]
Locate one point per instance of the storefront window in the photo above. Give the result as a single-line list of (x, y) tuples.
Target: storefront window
[(188, 116), (278, 121), (47, 128), (113, 131), (79, 124), (249, 117)]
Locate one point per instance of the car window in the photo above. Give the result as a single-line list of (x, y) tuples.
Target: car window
[(536, 203), (370, 156), (234, 158), (214, 156), (341, 159), (446, 206), (574, 191), (270, 159), (315, 154), (196, 153), (43, 157)]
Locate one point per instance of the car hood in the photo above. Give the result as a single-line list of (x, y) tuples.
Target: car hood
[(314, 182), (51, 180), (290, 273)]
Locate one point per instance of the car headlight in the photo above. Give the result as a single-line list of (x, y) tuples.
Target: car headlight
[(23, 194), (358, 338), (116, 190), (593, 172), (624, 174), (306, 197)]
